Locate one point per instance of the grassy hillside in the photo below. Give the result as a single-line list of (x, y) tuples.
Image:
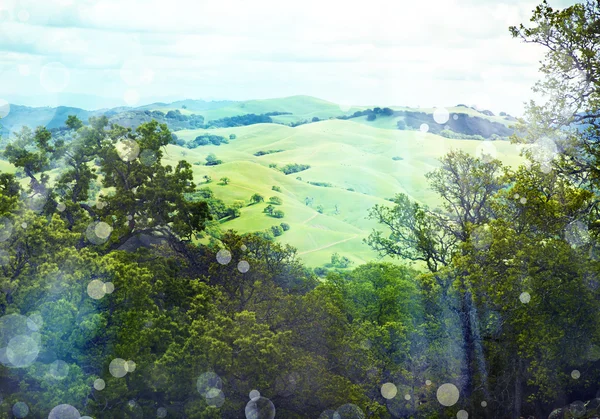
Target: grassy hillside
[(346, 154), (354, 156)]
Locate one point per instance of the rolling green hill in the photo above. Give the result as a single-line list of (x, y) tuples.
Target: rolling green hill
[(352, 158), (356, 159)]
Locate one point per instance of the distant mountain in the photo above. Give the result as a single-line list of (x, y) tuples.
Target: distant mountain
[(292, 111)]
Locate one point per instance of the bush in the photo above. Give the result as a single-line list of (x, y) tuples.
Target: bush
[(288, 169), (278, 214), (277, 231), (276, 188), (396, 158), (273, 165), (211, 160), (232, 136), (275, 200), (320, 271), (401, 124), (323, 184), (285, 226), (320, 209)]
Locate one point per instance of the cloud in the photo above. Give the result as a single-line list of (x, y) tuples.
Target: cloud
[(441, 51)]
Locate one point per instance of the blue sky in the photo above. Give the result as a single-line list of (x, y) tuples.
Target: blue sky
[(95, 53)]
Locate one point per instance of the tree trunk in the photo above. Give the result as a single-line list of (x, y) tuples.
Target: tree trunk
[(518, 389)]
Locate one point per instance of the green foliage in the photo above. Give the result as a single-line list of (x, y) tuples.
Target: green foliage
[(224, 180), (278, 214), (277, 230), (338, 261), (256, 198), (285, 226), (290, 168), (275, 200), (276, 188), (264, 153), (211, 160)]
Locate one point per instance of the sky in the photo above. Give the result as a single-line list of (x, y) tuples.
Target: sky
[(101, 53)]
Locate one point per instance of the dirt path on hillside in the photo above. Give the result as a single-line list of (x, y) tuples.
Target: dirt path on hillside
[(329, 245), (311, 218)]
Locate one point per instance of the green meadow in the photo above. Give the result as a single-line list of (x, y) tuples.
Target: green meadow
[(352, 156)]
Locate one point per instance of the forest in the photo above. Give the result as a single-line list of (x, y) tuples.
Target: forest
[(114, 303)]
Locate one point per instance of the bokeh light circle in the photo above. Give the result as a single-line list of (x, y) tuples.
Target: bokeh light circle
[(575, 374), (99, 384), (441, 115), (243, 266), (6, 229), (117, 368), (95, 289), (128, 149), (64, 411), (208, 381), (261, 408), (254, 394), (462, 414), (525, 297), (389, 390), (20, 409), (223, 256), (59, 370), (447, 394)]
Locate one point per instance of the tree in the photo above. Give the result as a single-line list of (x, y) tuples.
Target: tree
[(232, 136), (207, 178), (224, 180), (320, 209), (256, 198), (285, 226), (277, 230), (278, 214), (132, 209), (275, 200), (211, 160), (73, 122), (269, 209)]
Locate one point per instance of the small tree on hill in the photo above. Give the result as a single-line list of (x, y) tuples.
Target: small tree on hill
[(275, 200), (224, 180), (256, 198), (278, 214), (269, 209)]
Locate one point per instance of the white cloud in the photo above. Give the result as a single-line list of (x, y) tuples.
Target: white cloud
[(438, 52)]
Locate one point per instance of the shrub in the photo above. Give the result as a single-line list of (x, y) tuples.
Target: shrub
[(396, 158), (288, 169), (278, 214), (323, 184), (276, 188), (275, 200), (285, 226), (232, 136), (277, 231)]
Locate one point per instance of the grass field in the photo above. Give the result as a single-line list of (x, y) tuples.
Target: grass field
[(354, 156), (347, 154)]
